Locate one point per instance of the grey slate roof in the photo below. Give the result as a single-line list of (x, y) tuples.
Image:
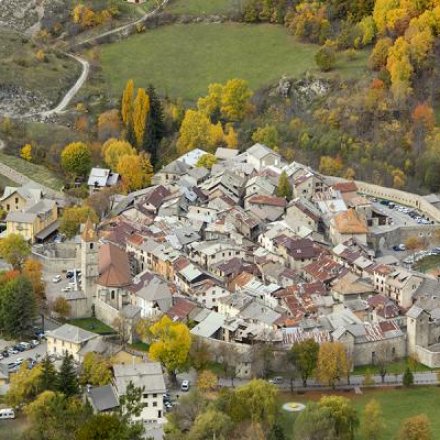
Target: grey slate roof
[(71, 333), (103, 398), (148, 375)]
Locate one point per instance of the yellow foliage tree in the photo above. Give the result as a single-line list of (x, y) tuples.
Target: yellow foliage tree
[(210, 104), (207, 381), (194, 132), (96, 370), (216, 136), (113, 150), (171, 344), (26, 152), (147, 168), (141, 107), (330, 166), (33, 270), (24, 384), (332, 363), (231, 138), (400, 69), (235, 101), (127, 102), (130, 169), (40, 55)]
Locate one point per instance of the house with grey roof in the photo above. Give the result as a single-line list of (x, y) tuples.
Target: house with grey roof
[(101, 178), (261, 157), (103, 399), (68, 338), (150, 378)]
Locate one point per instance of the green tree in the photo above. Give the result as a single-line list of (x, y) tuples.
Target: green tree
[(305, 355), (267, 135), (207, 161), (373, 423), (325, 58), (48, 375), (171, 344), (131, 402), (14, 249), (17, 307), (211, 424), (156, 129), (107, 427), (408, 377), (76, 159), (284, 188), (345, 418), (416, 428), (314, 423), (67, 380)]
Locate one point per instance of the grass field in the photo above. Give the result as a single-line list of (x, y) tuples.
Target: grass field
[(201, 7), (92, 325), (397, 367), (35, 172), (428, 264), (397, 404), (182, 60)]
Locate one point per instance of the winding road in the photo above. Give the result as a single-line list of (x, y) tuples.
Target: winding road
[(62, 105)]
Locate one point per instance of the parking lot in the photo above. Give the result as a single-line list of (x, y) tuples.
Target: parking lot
[(36, 353), (60, 288), (398, 215)]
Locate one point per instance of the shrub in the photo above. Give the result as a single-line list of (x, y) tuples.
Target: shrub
[(325, 58)]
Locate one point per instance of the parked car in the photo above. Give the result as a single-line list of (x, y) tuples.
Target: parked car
[(56, 279), (185, 385), (19, 348), (18, 361), (7, 413), (69, 274), (399, 247), (25, 345), (5, 353), (277, 380), (34, 343), (12, 350)]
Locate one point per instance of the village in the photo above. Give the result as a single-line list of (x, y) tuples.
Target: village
[(242, 267)]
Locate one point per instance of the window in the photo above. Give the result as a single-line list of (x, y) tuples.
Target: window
[(145, 405), (154, 404), (113, 294), (91, 245), (145, 396), (154, 395), (16, 200), (8, 207)]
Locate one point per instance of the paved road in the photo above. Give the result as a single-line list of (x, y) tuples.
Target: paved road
[(35, 353)]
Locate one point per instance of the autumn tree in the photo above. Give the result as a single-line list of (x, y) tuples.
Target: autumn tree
[(100, 201), (206, 161), (400, 69), (194, 132), (72, 219), (33, 270), (113, 150), (132, 174), (305, 358), (379, 54), (423, 123), (314, 423), (373, 423), (14, 249), (284, 188), (332, 363), (109, 125), (171, 344), (267, 135), (26, 152), (200, 354), (330, 166), (235, 100), (207, 381), (211, 103), (416, 428), (231, 138), (24, 385), (141, 107), (61, 307), (76, 159), (127, 103), (96, 370)]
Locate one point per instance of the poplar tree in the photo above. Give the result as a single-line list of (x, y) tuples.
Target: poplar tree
[(284, 188), (127, 103), (141, 109)]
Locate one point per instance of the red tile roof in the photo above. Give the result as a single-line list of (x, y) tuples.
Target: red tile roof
[(267, 200), (114, 267), (181, 309), (346, 187)]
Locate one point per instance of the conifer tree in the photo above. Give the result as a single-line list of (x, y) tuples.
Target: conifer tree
[(155, 125), (67, 380), (48, 376)]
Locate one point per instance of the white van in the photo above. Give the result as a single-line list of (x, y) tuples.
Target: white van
[(7, 413), (185, 385)]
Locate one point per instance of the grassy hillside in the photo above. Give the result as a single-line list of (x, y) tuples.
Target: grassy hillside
[(182, 60), (200, 7), (19, 67)]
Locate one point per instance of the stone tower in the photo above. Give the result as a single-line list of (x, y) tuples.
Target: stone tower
[(89, 261)]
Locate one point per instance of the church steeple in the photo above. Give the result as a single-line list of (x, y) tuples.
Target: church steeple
[(89, 232)]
